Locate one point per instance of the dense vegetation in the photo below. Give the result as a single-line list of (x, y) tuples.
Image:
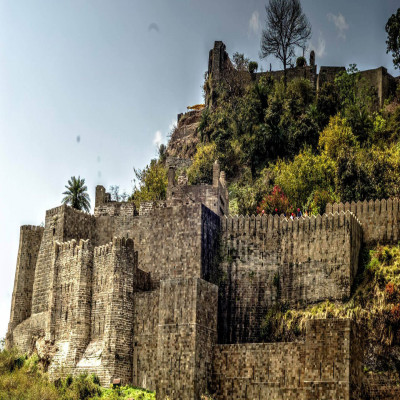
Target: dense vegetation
[(23, 378), (312, 149)]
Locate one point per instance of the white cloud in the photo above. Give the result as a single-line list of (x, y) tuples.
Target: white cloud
[(254, 23), (319, 48), (157, 138), (340, 23)]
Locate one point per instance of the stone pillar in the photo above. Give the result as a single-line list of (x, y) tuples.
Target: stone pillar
[(187, 332), (100, 197), (312, 58), (118, 334), (80, 333), (216, 172), (171, 177)]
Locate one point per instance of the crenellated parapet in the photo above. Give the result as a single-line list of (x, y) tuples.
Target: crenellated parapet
[(71, 248), (380, 218), (269, 259), (270, 223)]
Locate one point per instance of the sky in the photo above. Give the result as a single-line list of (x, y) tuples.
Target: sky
[(90, 88)]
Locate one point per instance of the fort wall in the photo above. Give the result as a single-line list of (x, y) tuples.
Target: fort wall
[(187, 333), (69, 302), (91, 308), (156, 235), (267, 259), (145, 330), (29, 244), (307, 72), (317, 368), (61, 224), (380, 219)]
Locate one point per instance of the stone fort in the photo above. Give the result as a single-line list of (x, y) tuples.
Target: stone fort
[(171, 296)]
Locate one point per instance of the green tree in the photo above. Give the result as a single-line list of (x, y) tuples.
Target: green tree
[(201, 170), (151, 183), (302, 176), (253, 67), (327, 104), (76, 194), (337, 136), (240, 62), (393, 40), (286, 28), (356, 101), (351, 177)]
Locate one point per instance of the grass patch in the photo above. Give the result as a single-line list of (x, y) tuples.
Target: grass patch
[(23, 378)]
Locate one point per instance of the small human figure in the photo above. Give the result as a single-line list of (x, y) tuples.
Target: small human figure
[(299, 214), (292, 216)]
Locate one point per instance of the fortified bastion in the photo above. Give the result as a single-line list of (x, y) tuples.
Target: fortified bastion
[(171, 297)]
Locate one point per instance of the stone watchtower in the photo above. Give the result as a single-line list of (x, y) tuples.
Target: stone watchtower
[(214, 196)]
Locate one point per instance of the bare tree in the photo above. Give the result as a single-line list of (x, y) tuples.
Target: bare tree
[(286, 28)]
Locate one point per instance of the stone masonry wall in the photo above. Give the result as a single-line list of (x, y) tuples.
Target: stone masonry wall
[(380, 219), (268, 259), (187, 331), (318, 368), (29, 244), (145, 328), (118, 330), (148, 313), (69, 303), (93, 359), (156, 236), (61, 224)]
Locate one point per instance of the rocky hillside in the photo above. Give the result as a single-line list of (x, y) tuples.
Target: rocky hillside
[(185, 138)]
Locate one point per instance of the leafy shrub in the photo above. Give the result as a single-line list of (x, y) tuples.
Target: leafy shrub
[(301, 62), (319, 198), (391, 292), (305, 174), (151, 183), (253, 67), (336, 137), (275, 203), (201, 170)]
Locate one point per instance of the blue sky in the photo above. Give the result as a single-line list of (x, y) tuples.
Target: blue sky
[(115, 74)]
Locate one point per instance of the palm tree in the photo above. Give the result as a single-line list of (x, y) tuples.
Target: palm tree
[(76, 194)]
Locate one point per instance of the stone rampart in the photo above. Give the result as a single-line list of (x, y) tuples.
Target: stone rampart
[(317, 368), (267, 259), (145, 331), (380, 219), (152, 298)]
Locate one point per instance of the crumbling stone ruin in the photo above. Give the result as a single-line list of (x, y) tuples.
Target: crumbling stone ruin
[(220, 66), (171, 297)]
